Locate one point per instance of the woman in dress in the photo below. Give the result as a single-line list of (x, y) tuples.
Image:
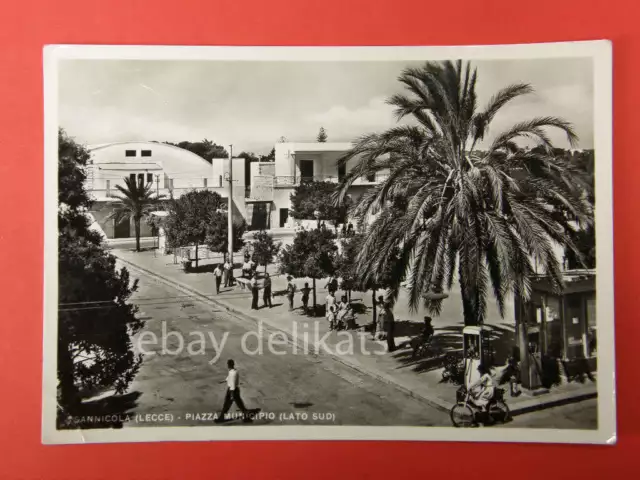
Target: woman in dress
[(380, 320), (482, 390)]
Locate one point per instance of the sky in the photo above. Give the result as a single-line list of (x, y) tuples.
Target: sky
[(253, 104)]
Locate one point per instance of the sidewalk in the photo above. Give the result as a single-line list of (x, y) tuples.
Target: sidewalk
[(419, 378)]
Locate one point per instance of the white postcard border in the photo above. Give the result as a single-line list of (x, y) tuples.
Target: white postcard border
[(599, 51)]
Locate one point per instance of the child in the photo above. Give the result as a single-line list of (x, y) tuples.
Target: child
[(331, 316), (305, 297)]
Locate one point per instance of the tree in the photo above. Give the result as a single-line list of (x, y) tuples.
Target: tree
[(269, 158), (217, 238), (248, 159), (205, 149), (136, 200), (95, 319), (312, 254), (264, 248), (197, 218), (352, 278), (452, 209), (190, 218), (309, 197), (322, 135)]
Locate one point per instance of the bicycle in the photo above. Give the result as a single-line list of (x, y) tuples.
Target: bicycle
[(465, 413), (422, 348)]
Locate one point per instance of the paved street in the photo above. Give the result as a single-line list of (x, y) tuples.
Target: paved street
[(187, 384), (394, 373)]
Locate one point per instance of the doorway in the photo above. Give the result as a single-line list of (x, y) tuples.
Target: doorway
[(306, 170), (284, 217)]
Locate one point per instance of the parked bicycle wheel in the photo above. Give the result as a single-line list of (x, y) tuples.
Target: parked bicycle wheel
[(462, 416), (499, 411)]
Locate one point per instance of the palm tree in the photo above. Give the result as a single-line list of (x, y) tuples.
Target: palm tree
[(488, 215), (135, 201)]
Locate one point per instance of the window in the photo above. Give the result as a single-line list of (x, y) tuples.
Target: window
[(205, 183), (145, 153), (132, 177), (342, 171), (371, 177), (129, 153), (149, 177), (141, 178)]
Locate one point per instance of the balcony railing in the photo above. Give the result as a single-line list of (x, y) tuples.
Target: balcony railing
[(292, 181)]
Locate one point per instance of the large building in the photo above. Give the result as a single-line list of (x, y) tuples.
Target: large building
[(168, 169), (172, 170), (268, 202)]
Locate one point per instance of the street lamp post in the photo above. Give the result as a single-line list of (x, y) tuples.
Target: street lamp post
[(230, 209)]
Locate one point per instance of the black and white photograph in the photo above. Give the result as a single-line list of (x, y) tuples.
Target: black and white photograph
[(394, 243)]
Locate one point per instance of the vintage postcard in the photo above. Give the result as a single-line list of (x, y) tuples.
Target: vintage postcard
[(393, 243)]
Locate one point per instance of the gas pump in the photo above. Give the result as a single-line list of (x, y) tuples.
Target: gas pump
[(474, 352)]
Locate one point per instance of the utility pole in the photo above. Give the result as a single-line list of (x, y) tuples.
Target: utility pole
[(230, 207)]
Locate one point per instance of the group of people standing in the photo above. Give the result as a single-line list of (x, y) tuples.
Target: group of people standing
[(223, 275), (339, 314)]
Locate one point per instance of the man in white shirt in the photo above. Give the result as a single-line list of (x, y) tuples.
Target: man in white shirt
[(218, 274), (330, 301), (233, 393), (227, 273)]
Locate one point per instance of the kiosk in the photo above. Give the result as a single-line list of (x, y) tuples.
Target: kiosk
[(475, 350), (557, 329)]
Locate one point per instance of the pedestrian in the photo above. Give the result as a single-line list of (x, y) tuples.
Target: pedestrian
[(246, 268), (233, 393), (255, 289), (378, 332), (227, 273), (291, 291), (331, 317), (332, 285), (305, 297), (379, 304), (389, 326), (218, 274), (266, 294), (330, 301)]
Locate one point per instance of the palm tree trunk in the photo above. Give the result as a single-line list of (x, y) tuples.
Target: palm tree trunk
[(468, 310), (136, 226)]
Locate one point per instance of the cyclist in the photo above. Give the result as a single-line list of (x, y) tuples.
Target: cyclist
[(482, 391)]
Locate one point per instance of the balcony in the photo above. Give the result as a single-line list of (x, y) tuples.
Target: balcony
[(283, 181)]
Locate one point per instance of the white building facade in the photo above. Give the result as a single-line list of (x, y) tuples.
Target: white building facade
[(272, 183), (166, 168)]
